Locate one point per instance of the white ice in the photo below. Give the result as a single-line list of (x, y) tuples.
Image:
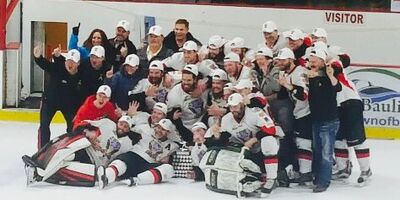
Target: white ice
[(20, 138)]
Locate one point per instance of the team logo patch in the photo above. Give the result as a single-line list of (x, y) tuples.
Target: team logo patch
[(244, 135), (196, 107), (161, 96)]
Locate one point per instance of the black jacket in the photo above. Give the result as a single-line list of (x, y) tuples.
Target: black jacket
[(119, 60), (170, 41), (322, 99), (92, 79), (144, 62), (62, 88)]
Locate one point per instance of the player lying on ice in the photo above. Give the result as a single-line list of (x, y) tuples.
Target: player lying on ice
[(147, 162), (71, 158)]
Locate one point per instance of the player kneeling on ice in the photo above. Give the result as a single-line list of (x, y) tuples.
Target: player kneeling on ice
[(71, 158), (146, 163), (255, 130)]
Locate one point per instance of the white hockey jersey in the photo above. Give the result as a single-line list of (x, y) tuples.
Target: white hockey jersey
[(281, 43), (298, 77), (161, 93), (192, 108), (349, 90), (110, 144), (254, 120), (151, 149), (245, 73), (197, 153), (176, 61)]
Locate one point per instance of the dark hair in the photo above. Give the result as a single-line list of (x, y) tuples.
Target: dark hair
[(104, 40), (183, 21)]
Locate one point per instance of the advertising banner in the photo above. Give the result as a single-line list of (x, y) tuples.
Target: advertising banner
[(379, 88)]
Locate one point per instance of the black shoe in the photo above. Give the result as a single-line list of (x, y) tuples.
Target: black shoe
[(305, 178), (283, 179), (319, 189), (344, 173)]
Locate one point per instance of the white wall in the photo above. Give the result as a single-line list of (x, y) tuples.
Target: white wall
[(376, 41)]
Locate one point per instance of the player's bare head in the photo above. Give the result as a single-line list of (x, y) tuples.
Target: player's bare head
[(189, 78), (181, 29)]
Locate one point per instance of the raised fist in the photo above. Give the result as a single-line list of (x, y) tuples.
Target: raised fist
[(75, 29)]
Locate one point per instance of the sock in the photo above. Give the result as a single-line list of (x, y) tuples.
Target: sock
[(271, 166), (304, 155), (341, 154), (156, 175), (362, 154), (115, 169)]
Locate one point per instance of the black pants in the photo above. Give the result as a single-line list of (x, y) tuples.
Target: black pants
[(47, 112), (135, 164)]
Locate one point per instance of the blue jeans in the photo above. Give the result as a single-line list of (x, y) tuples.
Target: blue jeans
[(324, 134)]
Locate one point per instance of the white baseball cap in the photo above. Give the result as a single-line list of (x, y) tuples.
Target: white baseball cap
[(192, 69), (123, 24), (269, 27), (156, 64), (264, 51), (219, 74), (319, 32), (232, 57), (190, 46), (199, 125), (296, 34), (73, 55), (234, 99), (132, 60), (216, 42), (97, 51), (285, 53), (104, 89), (166, 124), (161, 107), (155, 30), (318, 52), (126, 119), (237, 42), (244, 83)]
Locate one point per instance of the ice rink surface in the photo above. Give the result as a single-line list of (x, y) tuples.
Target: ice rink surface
[(20, 138)]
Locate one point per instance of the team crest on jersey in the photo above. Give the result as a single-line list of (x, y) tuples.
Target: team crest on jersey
[(155, 148), (196, 107), (244, 135), (161, 96)]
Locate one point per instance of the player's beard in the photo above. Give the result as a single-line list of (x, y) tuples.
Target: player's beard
[(238, 115), (155, 80), (188, 88)]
